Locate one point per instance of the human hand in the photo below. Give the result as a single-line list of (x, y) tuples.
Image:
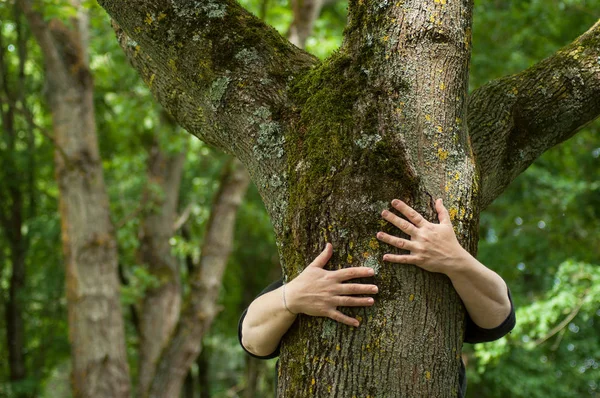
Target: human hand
[(318, 292), (433, 247)]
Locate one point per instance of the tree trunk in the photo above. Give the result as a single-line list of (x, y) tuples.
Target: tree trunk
[(96, 329), (161, 305), (328, 147), (201, 305)]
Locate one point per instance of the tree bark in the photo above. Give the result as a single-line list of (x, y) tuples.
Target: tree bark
[(96, 329), (384, 117), (513, 120), (200, 307), (161, 305)]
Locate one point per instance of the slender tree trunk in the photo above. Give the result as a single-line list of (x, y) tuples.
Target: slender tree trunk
[(96, 329), (161, 305), (201, 305), (305, 14)]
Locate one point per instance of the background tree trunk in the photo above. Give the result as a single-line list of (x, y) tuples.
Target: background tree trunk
[(201, 305), (96, 329), (161, 305)]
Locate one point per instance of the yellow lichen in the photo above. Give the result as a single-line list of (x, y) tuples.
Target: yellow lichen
[(149, 19), (411, 297), (442, 86), (453, 212), (442, 154), (349, 259), (428, 375), (374, 244)]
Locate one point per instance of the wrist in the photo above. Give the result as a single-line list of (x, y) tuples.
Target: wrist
[(289, 298), (460, 263)]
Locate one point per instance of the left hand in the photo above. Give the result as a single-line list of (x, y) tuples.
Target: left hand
[(433, 247)]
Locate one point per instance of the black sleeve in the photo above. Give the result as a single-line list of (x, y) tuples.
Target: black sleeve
[(475, 334), (275, 285)]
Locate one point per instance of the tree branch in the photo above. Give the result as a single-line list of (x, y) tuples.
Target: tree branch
[(216, 68), (564, 322), (513, 120)]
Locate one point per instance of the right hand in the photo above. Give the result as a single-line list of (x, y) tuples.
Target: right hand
[(318, 292)]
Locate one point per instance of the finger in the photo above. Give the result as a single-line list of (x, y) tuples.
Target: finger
[(349, 301), (323, 258), (345, 319), (356, 288), (401, 258), (395, 241), (353, 273), (410, 213), (443, 214), (404, 225)]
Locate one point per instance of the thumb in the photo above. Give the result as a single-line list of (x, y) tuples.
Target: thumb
[(323, 258), (443, 215)]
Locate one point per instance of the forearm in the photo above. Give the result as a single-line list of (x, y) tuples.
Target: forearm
[(483, 291), (266, 321)]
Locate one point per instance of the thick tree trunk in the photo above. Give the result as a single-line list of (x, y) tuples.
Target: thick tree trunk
[(392, 127), (96, 329), (161, 305)]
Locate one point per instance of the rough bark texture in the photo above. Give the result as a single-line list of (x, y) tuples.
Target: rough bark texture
[(328, 148), (96, 330), (513, 120), (200, 306), (161, 305), (373, 128)]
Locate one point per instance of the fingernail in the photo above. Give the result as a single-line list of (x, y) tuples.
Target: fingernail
[(375, 289), (371, 272), (395, 202), (371, 301), (379, 235), (385, 212)]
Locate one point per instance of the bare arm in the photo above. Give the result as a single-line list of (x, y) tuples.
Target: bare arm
[(316, 292), (434, 248)]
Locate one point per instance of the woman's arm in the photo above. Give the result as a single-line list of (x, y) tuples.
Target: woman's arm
[(316, 292), (434, 248)]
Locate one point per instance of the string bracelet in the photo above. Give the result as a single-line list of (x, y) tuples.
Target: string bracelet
[(285, 302)]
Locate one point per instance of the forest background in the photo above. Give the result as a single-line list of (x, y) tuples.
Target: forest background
[(542, 235)]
